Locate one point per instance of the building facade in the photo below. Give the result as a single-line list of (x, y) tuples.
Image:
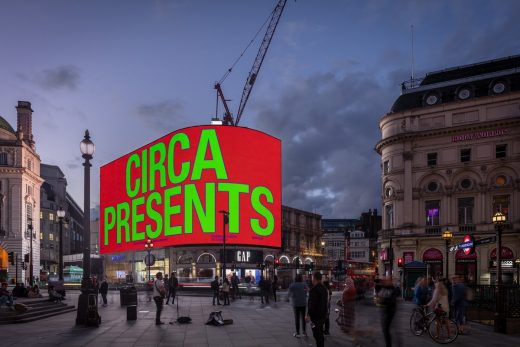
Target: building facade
[(20, 184), (301, 244), (450, 158), (335, 235)]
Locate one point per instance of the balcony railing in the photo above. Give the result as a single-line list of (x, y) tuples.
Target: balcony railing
[(433, 230), (468, 228)]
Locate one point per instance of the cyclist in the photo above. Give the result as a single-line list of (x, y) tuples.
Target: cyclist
[(440, 304)]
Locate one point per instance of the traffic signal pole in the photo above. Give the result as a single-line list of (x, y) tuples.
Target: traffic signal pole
[(16, 269)]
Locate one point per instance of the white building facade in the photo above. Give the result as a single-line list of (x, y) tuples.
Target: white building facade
[(20, 184), (450, 158)]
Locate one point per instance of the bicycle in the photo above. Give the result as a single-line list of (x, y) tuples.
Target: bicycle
[(440, 328)]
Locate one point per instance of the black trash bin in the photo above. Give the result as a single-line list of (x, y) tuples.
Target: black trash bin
[(131, 312), (128, 295)]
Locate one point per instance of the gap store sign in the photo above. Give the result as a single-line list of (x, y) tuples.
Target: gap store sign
[(172, 190)]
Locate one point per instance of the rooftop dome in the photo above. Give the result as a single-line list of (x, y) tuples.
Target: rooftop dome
[(5, 125)]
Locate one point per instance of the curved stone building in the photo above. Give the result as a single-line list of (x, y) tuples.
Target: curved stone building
[(450, 158)]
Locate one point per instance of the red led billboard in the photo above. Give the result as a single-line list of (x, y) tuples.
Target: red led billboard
[(173, 189)]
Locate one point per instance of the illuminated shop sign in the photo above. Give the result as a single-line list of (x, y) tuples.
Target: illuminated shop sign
[(479, 135), (172, 190)]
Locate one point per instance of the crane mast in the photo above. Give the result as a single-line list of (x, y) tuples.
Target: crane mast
[(251, 79)]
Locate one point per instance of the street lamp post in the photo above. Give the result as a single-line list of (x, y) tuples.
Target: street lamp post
[(447, 235), (60, 213), (149, 245), (517, 263), (87, 150), (225, 220), (30, 234), (500, 324)]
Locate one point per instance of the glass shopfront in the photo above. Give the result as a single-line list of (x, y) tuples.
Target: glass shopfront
[(434, 262), (466, 265)]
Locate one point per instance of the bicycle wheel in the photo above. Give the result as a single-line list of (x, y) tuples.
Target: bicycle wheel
[(417, 322), (443, 330)]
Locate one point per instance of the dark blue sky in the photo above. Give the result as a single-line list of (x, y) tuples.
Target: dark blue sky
[(132, 71)]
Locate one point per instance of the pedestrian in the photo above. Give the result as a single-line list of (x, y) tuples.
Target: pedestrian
[(317, 308), (159, 292), (347, 313), (103, 290), (388, 300), (234, 283), (459, 302), (215, 289), (173, 286), (264, 289), (95, 286), (420, 292), (298, 293), (326, 327), (225, 291), (275, 286), (6, 297)]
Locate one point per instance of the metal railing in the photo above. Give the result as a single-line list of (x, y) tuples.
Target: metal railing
[(485, 299)]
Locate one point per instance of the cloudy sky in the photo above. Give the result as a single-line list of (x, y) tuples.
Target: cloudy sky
[(133, 71)]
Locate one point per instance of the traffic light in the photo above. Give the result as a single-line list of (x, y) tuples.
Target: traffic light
[(26, 257), (276, 262), (11, 258), (400, 262)]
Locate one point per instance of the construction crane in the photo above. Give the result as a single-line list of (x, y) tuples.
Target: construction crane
[(251, 79)]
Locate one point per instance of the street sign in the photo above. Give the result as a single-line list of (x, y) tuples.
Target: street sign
[(149, 260), (487, 240)]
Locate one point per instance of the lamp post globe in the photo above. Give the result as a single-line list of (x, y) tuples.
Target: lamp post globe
[(61, 214), (149, 245), (447, 235)]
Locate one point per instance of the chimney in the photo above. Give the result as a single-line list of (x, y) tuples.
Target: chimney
[(24, 121)]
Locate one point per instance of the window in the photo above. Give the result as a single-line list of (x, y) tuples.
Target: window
[(432, 159), (465, 209), (466, 183), (465, 155), (3, 158), (432, 211), (501, 151), (501, 203), (29, 164), (51, 216), (51, 236), (386, 167), (500, 180), (389, 212), (432, 187)]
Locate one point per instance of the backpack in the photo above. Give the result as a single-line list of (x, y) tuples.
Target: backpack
[(215, 318)]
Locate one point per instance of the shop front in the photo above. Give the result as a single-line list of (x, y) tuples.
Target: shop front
[(508, 265), (466, 265), (433, 259)]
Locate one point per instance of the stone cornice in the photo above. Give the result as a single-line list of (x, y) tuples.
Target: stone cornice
[(446, 131)]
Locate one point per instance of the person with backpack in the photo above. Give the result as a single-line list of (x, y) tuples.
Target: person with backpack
[(215, 288), (159, 292)]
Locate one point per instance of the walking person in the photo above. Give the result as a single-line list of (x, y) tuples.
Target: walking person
[(234, 283), (215, 289), (326, 326), (317, 305), (173, 285), (388, 300), (459, 302), (103, 290), (298, 293), (95, 286), (347, 313), (420, 292), (225, 290), (275, 286), (159, 293), (264, 289)]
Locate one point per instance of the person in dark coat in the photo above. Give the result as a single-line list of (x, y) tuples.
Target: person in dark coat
[(388, 294), (103, 290), (215, 288), (265, 287), (173, 285), (275, 287), (317, 308), (298, 293)]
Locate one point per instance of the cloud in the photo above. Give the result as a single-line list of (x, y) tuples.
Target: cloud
[(162, 115), (61, 77), (329, 127)]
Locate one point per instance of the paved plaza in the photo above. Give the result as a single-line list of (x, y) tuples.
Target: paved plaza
[(254, 325)]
